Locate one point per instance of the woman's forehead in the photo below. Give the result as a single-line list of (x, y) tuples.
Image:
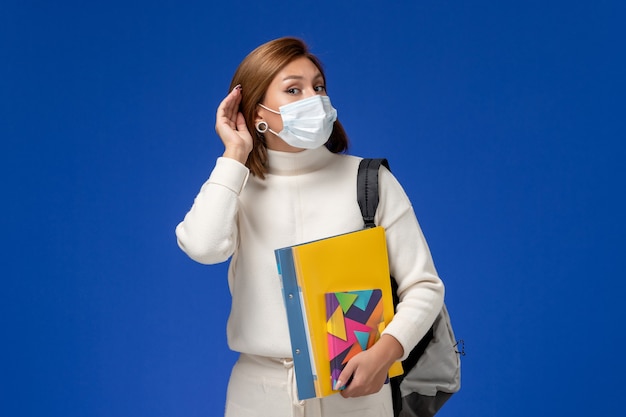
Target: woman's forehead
[(299, 69)]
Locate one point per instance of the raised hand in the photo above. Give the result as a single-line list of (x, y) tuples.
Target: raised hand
[(231, 127)]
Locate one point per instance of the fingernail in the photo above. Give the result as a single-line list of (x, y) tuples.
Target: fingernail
[(238, 87), (338, 385)]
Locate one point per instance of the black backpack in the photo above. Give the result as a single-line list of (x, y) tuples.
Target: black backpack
[(432, 371)]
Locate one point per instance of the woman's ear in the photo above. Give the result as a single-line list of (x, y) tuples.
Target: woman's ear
[(258, 114)]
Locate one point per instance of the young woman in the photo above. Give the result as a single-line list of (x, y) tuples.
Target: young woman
[(284, 179)]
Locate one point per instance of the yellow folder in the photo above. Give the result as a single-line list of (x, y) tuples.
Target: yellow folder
[(350, 262)]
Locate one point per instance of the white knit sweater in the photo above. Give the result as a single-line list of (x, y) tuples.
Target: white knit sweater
[(305, 196)]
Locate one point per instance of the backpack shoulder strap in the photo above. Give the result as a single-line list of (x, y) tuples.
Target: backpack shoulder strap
[(367, 188)]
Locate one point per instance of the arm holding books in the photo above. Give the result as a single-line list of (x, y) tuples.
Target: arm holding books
[(420, 289)]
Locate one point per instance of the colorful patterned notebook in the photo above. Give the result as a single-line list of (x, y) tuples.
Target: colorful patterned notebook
[(354, 320)]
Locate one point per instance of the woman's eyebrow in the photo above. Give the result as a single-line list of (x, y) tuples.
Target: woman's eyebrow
[(300, 77)]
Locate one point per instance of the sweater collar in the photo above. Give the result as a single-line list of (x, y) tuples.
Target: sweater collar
[(297, 163)]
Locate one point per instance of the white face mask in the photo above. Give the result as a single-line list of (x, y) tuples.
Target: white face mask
[(307, 123)]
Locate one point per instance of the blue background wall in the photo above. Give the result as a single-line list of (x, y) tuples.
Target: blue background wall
[(504, 121)]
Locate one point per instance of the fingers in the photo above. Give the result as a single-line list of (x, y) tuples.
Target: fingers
[(230, 126), (241, 122), (363, 375), (234, 107), (345, 376), (229, 107)]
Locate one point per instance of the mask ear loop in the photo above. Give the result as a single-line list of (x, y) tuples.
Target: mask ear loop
[(262, 126), (268, 109)]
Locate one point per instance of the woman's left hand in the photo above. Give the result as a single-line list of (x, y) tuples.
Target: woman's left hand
[(366, 372)]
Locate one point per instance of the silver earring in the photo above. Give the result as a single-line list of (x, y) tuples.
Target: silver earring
[(261, 126)]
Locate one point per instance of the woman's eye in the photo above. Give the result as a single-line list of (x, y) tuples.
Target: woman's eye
[(320, 88), (293, 90)]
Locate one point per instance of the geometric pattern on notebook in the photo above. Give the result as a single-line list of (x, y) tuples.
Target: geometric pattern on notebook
[(354, 320)]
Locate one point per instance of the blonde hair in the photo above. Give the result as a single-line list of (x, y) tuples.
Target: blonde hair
[(255, 73)]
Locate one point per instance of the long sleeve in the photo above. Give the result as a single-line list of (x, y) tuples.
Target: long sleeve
[(208, 233), (420, 289), (305, 196)]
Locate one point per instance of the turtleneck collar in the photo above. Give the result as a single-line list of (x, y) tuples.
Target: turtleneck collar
[(297, 163)]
